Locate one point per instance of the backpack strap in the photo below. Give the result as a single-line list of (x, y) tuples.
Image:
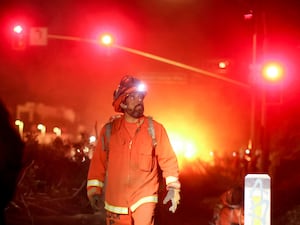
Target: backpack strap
[(105, 141), (108, 127), (151, 131)]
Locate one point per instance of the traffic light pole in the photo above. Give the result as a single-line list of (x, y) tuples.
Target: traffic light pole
[(264, 135), (259, 134), (154, 57), (253, 75), (181, 65)]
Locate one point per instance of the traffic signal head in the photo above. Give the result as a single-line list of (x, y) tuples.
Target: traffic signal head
[(273, 72), (19, 40), (18, 29)]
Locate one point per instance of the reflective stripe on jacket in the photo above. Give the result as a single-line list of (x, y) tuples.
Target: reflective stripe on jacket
[(124, 210)]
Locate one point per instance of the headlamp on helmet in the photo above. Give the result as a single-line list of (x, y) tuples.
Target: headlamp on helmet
[(141, 88)]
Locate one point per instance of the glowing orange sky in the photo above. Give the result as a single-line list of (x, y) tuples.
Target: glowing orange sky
[(82, 77)]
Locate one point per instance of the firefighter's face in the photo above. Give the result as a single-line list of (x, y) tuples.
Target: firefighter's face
[(135, 104)]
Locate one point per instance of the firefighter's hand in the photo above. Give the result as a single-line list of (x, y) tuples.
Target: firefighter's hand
[(173, 195), (96, 202)]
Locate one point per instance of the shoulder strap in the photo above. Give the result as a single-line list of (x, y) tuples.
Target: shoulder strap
[(105, 141), (151, 131), (108, 127)]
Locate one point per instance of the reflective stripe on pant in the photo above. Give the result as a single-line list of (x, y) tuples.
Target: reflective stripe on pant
[(143, 215)]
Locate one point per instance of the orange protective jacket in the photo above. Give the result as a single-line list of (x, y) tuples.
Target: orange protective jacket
[(129, 169)]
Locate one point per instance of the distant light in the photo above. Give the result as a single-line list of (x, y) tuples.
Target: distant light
[(86, 149), (18, 29), (92, 139), (223, 64), (248, 15), (272, 71), (42, 128), (106, 39), (19, 122), (247, 151), (57, 131)]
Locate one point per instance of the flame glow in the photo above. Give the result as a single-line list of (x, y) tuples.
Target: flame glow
[(188, 149)]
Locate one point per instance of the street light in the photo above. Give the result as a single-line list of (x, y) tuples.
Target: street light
[(20, 125), (106, 39), (223, 64), (42, 128), (57, 131)]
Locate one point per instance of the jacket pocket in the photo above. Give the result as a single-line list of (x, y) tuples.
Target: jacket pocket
[(146, 162)]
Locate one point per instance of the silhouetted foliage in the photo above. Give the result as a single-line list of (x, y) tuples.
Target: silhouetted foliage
[(53, 181)]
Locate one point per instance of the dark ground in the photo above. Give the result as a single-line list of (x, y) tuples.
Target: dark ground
[(200, 192), (194, 209), (198, 195)]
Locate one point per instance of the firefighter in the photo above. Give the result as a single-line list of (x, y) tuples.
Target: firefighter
[(127, 160)]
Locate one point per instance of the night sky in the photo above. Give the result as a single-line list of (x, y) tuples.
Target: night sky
[(82, 76)]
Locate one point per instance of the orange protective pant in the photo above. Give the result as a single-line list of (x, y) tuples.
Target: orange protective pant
[(143, 215)]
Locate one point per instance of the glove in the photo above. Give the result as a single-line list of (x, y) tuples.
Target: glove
[(174, 196), (96, 202)]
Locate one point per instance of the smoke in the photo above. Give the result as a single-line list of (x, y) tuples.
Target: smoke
[(46, 111)]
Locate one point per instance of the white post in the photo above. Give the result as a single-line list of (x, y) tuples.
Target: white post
[(257, 199)]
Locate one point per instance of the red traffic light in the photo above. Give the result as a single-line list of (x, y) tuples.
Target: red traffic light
[(19, 41), (273, 71), (18, 29)]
